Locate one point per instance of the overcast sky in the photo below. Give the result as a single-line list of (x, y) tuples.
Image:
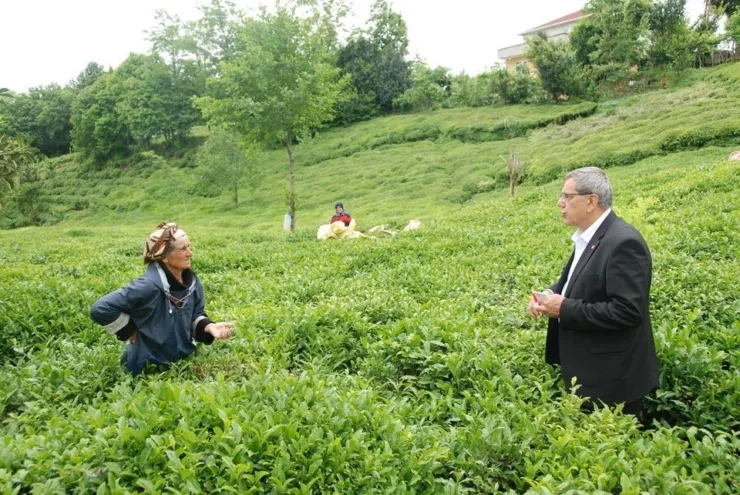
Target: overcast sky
[(45, 41)]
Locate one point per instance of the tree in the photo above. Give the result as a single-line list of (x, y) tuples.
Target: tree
[(212, 38), (584, 38), (622, 27), (555, 63), (87, 77), (733, 27), (427, 88), (728, 6), (705, 38), (471, 91), (516, 168), (137, 103), (15, 153), (153, 104), (519, 87), (29, 195), (355, 107), (99, 132), (43, 115), (331, 15), (280, 87), (670, 35), (359, 58), (390, 34), (168, 40), (5, 96), (223, 161), (375, 58)]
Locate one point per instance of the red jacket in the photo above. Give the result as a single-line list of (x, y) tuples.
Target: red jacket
[(342, 217)]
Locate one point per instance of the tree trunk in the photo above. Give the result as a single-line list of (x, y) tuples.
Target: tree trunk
[(236, 196), (291, 158), (512, 184)]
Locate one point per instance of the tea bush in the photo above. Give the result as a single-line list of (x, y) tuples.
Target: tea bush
[(401, 364)]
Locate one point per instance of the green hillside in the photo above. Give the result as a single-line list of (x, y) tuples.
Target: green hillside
[(390, 365), (393, 168)]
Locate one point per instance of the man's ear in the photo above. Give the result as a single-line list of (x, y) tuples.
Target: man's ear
[(593, 202)]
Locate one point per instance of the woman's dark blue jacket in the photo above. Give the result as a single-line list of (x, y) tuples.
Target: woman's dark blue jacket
[(149, 305)]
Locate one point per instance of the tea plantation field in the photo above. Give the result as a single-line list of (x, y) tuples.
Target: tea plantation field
[(396, 365), (391, 365)]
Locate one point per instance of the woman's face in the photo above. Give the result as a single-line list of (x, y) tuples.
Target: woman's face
[(178, 259)]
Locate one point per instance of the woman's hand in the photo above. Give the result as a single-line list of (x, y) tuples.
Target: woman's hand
[(221, 330)]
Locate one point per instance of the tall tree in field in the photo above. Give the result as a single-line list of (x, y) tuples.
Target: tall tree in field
[(168, 40), (622, 27), (212, 38), (280, 86), (194, 49), (224, 163)]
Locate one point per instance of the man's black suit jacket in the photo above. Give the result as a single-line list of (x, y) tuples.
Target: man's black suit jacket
[(603, 336)]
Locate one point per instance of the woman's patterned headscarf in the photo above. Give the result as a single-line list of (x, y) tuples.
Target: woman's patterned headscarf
[(157, 242)]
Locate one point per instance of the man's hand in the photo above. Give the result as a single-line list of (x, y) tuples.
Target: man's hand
[(533, 307), (533, 303), (132, 339), (221, 330), (550, 307)]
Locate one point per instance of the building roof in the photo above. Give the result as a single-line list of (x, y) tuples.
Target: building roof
[(560, 20)]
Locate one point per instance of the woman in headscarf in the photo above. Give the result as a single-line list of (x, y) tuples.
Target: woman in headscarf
[(341, 215), (162, 313)]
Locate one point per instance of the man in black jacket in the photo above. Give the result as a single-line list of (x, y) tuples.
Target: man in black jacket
[(599, 328)]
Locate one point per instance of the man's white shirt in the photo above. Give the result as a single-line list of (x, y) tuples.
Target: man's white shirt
[(581, 238)]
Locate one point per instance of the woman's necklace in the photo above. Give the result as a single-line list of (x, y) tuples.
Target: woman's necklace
[(179, 302)]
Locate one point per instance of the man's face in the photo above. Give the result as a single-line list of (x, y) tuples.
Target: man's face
[(339, 210), (178, 259), (574, 207)]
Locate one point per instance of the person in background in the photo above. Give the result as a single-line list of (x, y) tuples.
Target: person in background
[(162, 313), (599, 329), (341, 215)]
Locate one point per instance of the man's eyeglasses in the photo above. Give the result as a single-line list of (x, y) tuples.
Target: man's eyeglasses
[(565, 196)]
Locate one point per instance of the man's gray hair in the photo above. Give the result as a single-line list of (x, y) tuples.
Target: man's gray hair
[(593, 180)]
